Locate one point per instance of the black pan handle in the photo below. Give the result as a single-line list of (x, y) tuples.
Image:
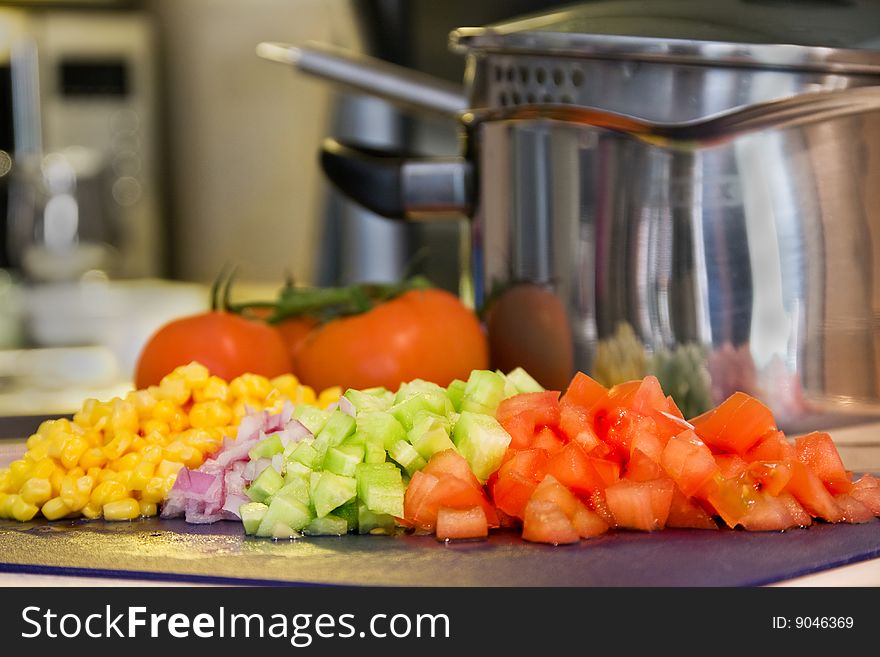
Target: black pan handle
[(397, 186)]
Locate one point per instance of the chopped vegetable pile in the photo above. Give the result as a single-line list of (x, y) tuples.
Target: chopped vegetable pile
[(457, 462), (118, 459)]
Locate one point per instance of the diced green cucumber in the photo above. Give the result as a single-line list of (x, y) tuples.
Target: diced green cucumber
[(380, 488), (305, 454), (342, 460), (455, 393), (349, 511), (416, 387), (482, 441), (407, 456), (267, 447), (329, 525), (286, 513), (338, 427), (296, 470), (430, 434), (252, 514), (332, 491), (432, 401), (312, 417), (296, 488), (523, 381), (265, 485), (374, 452), (483, 392), (374, 523), (372, 399), (380, 428)]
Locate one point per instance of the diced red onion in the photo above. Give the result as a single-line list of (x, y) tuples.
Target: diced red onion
[(345, 405)]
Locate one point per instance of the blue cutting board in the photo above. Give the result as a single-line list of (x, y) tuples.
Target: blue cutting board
[(173, 551)]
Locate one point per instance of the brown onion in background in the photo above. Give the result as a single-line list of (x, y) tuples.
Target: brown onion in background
[(527, 327)]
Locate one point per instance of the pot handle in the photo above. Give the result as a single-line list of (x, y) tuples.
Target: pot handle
[(395, 186)]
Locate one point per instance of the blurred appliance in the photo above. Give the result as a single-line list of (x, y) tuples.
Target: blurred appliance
[(79, 144)]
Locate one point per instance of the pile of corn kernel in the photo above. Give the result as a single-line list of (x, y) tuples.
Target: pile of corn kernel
[(118, 459)]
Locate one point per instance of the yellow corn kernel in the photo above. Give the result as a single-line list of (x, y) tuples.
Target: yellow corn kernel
[(329, 396), (255, 386), (93, 457), (6, 501), (174, 389), (36, 440), (126, 462), (19, 472), (141, 475), (92, 511), (143, 402), (215, 389), (107, 474), (72, 450), (23, 511), (75, 491), (194, 375), (36, 491), (91, 412), (76, 472), (168, 468), (286, 383), (5, 480), (119, 445), (126, 508), (155, 490), (305, 395), (203, 440), (124, 417), (149, 509), (54, 509), (151, 454), (211, 413), (242, 407), (44, 468), (181, 452), (37, 453), (173, 416), (156, 431), (94, 472), (108, 491), (55, 479)]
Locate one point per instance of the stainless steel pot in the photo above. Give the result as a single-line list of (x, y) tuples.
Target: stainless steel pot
[(694, 188)]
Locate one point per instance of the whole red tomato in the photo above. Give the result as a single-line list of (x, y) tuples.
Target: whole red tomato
[(227, 344), (422, 334)]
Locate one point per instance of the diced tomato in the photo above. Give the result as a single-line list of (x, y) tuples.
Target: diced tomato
[(624, 426), (819, 453), (729, 498), (642, 467), (731, 465), (420, 486), (599, 504), (545, 522), (772, 476), (809, 490), (517, 478), (547, 439), (521, 415), (587, 523), (770, 513), (867, 491), (686, 513), (642, 505), (649, 397), (511, 493), (648, 442), (584, 391), (854, 511), (571, 466), (576, 423), (541, 407), (689, 462), (773, 446), (736, 424), (462, 523), (450, 462), (608, 470)]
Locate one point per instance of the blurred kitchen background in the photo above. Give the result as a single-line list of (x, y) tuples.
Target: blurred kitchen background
[(144, 145)]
